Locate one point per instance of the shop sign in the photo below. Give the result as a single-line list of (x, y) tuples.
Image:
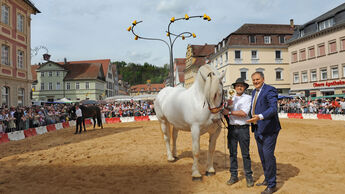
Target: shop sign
[(329, 84)]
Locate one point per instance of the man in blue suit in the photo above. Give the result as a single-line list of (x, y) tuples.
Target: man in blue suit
[(266, 126)]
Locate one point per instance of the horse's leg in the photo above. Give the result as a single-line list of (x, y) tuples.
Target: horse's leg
[(196, 152), (94, 122), (165, 125), (211, 147), (82, 127), (174, 136)]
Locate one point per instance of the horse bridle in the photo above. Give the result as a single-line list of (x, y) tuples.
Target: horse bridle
[(220, 107)]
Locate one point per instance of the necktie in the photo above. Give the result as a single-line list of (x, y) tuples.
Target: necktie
[(254, 103)]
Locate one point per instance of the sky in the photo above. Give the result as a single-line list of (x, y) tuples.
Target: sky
[(97, 29)]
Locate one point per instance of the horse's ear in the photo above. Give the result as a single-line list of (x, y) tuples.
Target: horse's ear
[(222, 75)]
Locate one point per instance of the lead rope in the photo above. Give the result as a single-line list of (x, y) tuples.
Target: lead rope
[(224, 127)]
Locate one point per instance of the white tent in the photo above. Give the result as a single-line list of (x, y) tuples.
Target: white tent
[(64, 100)]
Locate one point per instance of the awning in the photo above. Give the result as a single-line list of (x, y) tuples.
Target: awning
[(330, 96)]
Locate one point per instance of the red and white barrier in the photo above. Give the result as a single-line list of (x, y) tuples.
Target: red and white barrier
[(18, 135)]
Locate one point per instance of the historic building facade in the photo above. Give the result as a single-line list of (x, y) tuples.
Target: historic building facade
[(255, 47), (179, 67), (143, 89), (195, 57), (15, 52), (317, 55), (74, 81)]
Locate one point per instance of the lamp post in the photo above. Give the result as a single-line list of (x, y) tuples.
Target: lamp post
[(172, 38)]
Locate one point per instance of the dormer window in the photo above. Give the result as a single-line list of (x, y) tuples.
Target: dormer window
[(326, 24), (301, 33), (267, 39), (252, 39)]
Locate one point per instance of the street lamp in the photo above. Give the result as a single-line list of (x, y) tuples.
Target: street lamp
[(172, 38)]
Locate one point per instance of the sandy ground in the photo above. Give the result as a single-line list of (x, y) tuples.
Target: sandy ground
[(131, 158)]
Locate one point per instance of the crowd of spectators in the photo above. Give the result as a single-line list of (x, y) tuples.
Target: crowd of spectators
[(128, 109), (318, 106), (21, 118)]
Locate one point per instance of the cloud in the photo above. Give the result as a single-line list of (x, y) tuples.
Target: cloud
[(138, 56)]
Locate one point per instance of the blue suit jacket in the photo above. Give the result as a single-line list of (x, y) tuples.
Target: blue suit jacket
[(266, 104)]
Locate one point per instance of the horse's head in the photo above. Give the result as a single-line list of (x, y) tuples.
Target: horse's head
[(213, 89)]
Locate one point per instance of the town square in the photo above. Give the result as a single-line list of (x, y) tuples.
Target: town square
[(172, 96)]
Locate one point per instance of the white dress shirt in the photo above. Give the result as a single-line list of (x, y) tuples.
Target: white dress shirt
[(78, 113), (240, 103), (260, 115)]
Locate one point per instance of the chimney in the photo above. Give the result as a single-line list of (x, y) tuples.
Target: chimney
[(65, 60), (292, 25)]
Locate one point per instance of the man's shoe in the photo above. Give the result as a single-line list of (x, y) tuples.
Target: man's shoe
[(269, 190), (250, 182), (232, 180), (265, 183)]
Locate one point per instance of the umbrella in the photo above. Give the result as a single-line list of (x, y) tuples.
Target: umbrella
[(84, 102)]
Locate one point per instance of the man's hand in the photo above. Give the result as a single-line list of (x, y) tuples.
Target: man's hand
[(225, 111), (254, 119)]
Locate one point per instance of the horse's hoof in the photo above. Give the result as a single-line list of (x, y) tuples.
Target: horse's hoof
[(210, 173), (197, 178)]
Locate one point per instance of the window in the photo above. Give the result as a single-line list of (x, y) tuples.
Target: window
[(334, 72), (311, 52), (279, 74), (57, 73), (313, 76), (21, 92), (321, 50), (342, 43), (252, 39), (323, 73), (301, 33), (295, 78), (77, 86), (226, 56), (294, 57), (87, 85), (20, 59), (243, 72), (42, 74), (5, 14), (50, 86), (332, 47), (343, 70), (237, 54), (5, 94), (58, 86), (326, 24), (20, 22), (5, 54), (282, 39), (278, 54), (50, 73), (302, 55), (68, 86), (267, 39), (260, 70), (254, 54), (42, 86), (304, 77), (110, 76)]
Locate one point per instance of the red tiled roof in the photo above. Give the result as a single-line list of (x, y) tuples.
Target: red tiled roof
[(264, 29), (202, 50), (82, 71), (105, 63), (199, 61), (145, 87)]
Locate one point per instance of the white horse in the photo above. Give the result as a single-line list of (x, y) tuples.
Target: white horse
[(196, 109)]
